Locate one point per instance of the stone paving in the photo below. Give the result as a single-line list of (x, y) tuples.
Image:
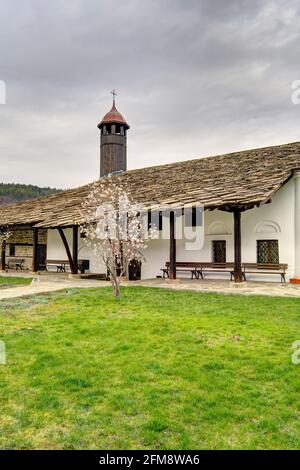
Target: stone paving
[(44, 283), (226, 287), (48, 282)]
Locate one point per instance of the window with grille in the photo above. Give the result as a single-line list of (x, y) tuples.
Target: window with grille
[(219, 251), (267, 251)]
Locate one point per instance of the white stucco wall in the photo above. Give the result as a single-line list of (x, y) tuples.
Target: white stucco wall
[(56, 250), (297, 224), (279, 216), (271, 221)]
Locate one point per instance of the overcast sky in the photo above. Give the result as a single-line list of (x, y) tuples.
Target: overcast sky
[(194, 78)]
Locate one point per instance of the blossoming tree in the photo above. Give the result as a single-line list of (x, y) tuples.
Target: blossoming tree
[(115, 227)]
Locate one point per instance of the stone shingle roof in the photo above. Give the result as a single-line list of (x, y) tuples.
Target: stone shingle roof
[(236, 180)]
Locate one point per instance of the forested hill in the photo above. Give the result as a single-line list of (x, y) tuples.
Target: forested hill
[(11, 192)]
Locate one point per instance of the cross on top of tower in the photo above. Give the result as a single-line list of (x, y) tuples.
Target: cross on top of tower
[(114, 93)]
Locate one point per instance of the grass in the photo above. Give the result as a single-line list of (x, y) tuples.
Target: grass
[(11, 281), (158, 369)]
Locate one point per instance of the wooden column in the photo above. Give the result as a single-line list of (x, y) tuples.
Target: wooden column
[(65, 242), (75, 248), (3, 253), (238, 277), (35, 241), (172, 273)]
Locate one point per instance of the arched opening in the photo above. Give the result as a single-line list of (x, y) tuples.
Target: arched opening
[(267, 226), (218, 228)]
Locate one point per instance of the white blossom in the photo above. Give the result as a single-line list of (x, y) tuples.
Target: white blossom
[(115, 228)]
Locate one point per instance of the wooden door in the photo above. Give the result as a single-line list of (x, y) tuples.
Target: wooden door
[(42, 256), (134, 270)]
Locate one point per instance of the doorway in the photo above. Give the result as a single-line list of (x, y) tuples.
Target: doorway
[(134, 270), (42, 257)]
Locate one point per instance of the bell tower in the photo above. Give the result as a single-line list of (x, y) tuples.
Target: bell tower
[(113, 145)]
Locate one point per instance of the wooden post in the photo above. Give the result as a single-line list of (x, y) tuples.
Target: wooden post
[(65, 242), (238, 277), (75, 248), (3, 253), (35, 241), (172, 273)]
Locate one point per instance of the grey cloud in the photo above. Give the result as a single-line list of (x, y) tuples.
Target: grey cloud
[(194, 78)]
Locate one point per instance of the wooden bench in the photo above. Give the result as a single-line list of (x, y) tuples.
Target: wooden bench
[(15, 263), (207, 267), (59, 264), (265, 268), (183, 266), (199, 268), (62, 265)]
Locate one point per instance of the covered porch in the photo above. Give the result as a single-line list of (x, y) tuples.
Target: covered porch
[(233, 236), (27, 249), (236, 270), (240, 243)]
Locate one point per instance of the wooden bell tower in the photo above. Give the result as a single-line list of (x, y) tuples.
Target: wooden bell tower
[(113, 142)]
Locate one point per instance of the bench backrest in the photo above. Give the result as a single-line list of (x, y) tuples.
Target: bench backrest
[(16, 260), (216, 265), (200, 264), (57, 261), (265, 266), (184, 264), (62, 261)]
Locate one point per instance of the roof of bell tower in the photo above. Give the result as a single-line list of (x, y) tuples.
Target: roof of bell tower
[(113, 116)]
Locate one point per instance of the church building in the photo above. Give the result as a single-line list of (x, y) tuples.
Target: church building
[(251, 220)]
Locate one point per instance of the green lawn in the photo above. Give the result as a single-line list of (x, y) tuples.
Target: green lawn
[(11, 281), (158, 369)]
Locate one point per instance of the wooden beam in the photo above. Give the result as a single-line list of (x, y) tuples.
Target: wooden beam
[(3, 253), (65, 242), (75, 248), (238, 277), (231, 208), (35, 241), (172, 273)]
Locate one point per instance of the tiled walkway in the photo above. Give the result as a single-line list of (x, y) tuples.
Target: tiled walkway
[(52, 282)]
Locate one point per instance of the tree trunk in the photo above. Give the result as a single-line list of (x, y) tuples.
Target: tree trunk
[(117, 292), (116, 287)]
